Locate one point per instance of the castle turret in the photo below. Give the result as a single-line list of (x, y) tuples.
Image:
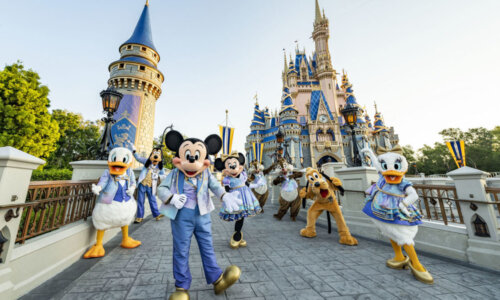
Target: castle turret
[(290, 126), (137, 77), (323, 61)]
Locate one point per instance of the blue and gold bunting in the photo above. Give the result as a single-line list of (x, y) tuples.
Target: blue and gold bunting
[(457, 150), (258, 149), (226, 134)]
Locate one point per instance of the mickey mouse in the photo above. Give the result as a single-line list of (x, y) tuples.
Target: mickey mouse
[(235, 181), (186, 190)]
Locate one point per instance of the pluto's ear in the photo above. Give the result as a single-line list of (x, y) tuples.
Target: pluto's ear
[(214, 143), (219, 164), (241, 159), (173, 140)]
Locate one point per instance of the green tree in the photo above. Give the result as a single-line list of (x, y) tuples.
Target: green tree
[(79, 139), (482, 151), (411, 157), (24, 118), (167, 154)]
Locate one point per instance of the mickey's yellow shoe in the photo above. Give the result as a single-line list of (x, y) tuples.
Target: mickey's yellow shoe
[(227, 279), (179, 294)]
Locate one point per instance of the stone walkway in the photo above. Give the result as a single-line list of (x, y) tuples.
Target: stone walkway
[(277, 264)]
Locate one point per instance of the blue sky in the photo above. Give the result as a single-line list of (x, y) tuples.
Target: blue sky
[(429, 65)]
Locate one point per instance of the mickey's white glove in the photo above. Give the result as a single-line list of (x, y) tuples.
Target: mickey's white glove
[(231, 202), (96, 189), (131, 190), (178, 200)]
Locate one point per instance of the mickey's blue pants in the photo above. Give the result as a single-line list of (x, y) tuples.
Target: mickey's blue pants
[(143, 190), (186, 223)]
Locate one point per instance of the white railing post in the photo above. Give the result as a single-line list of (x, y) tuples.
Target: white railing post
[(355, 181), (479, 217), (15, 175)]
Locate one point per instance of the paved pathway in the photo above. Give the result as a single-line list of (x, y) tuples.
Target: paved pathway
[(277, 264)]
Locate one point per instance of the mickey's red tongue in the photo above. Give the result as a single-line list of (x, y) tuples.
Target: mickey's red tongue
[(323, 193)]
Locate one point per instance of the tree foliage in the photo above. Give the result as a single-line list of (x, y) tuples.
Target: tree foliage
[(79, 139), (24, 117), (482, 151), (167, 154)]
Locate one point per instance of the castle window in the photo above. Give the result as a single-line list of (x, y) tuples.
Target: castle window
[(129, 47), (142, 68), (154, 54), (158, 75), (121, 66), (143, 48), (329, 86)]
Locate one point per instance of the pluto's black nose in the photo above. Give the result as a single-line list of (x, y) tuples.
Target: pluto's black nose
[(316, 184)]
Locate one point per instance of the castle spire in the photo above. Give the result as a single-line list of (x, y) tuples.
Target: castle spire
[(142, 34), (318, 17), (286, 63)]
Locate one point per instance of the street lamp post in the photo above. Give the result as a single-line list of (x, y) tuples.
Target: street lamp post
[(110, 102), (350, 113)]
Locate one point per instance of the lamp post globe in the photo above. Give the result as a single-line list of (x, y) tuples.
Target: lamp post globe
[(110, 102), (350, 114)]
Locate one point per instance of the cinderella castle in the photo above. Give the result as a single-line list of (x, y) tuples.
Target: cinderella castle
[(310, 114)]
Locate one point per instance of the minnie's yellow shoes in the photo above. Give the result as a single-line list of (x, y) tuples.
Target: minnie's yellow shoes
[(237, 244)]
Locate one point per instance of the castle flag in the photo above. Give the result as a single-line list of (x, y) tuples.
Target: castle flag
[(457, 150), (258, 149), (226, 134)]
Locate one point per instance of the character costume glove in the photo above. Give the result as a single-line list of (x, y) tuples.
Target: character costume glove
[(178, 200)]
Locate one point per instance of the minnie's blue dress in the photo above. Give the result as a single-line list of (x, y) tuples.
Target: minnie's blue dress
[(383, 201), (250, 205)]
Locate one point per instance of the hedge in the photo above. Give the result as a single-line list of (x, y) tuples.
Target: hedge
[(51, 174)]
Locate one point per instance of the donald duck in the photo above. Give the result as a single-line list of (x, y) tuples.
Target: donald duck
[(115, 206)]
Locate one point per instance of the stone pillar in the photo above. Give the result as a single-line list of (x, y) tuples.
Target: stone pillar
[(470, 184), (15, 175), (356, 181), (88, 169)]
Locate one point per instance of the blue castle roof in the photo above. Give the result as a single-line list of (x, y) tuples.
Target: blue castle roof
[(316, 97), (298, 61), (286, 102), (142, 34), (258, 116), (379, 123)]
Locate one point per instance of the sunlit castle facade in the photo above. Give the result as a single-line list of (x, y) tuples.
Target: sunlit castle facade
[(309, 114), (137, 77)]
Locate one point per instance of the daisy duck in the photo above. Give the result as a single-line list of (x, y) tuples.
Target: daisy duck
[(390, 204)]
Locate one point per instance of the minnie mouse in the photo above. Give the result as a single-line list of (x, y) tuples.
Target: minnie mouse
[(185, 192), (235, 181)]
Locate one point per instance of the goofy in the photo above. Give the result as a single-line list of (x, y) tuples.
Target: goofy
[(148, 180)]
